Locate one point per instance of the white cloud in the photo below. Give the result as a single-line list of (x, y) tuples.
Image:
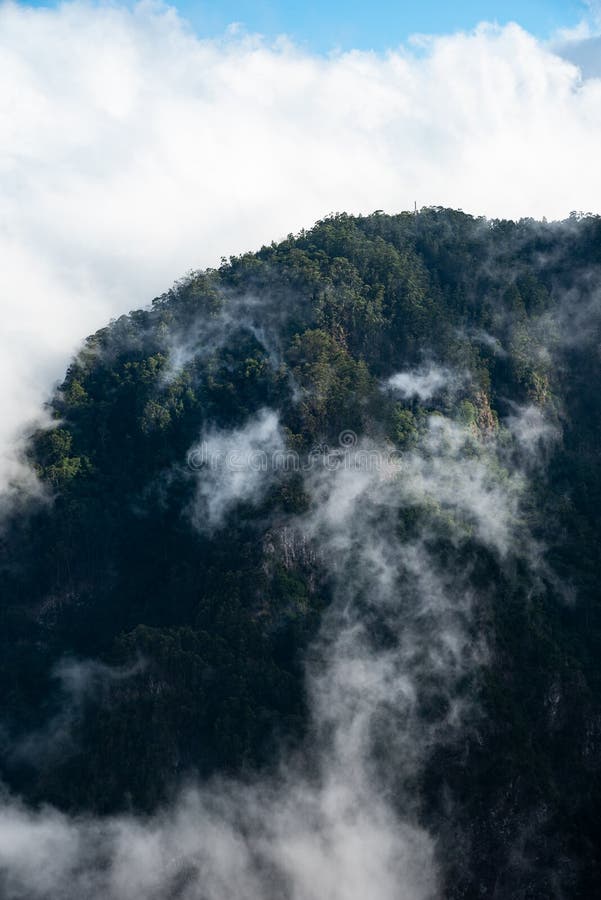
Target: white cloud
[(235, 466), (247, 843), (461, 475), (327, 826), (339, 822), (532, 431), (132, 151), (79, 681), (424, 383)]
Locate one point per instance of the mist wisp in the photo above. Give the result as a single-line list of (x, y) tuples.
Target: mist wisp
[(340, 819)]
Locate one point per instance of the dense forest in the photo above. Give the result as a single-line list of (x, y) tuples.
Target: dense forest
[(427, 388)]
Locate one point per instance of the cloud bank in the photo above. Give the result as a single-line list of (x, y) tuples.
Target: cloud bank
[(132, 150), (342, 820)]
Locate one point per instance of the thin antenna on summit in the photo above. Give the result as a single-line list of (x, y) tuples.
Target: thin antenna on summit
[(415, 209)]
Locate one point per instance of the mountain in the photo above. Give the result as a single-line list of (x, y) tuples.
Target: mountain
[(326, 515)]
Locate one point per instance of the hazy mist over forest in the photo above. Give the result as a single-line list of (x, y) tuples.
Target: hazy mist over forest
[(299, 559)]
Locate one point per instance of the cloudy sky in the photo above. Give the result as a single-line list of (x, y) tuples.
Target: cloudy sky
[(139, 141), (379, 25)]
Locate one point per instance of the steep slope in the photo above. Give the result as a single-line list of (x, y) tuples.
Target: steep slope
[(340, 493)]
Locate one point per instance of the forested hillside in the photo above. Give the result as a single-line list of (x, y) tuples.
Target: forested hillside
[(421, 396)]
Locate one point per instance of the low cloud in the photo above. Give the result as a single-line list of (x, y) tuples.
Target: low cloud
[(533, 432), (233, 467), (457, 473), (423, 384), (334, 820), (321, 827), (78, 682), (247, 844)]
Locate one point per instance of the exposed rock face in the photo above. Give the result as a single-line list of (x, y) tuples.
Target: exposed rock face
[(486, 421), (291, 547)]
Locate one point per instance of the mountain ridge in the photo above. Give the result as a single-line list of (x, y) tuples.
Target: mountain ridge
[(160, 617)]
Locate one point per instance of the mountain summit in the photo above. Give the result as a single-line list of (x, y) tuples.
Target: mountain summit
[(307, 601)]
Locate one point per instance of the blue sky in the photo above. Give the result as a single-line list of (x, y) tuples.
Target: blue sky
[(372, 24)]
